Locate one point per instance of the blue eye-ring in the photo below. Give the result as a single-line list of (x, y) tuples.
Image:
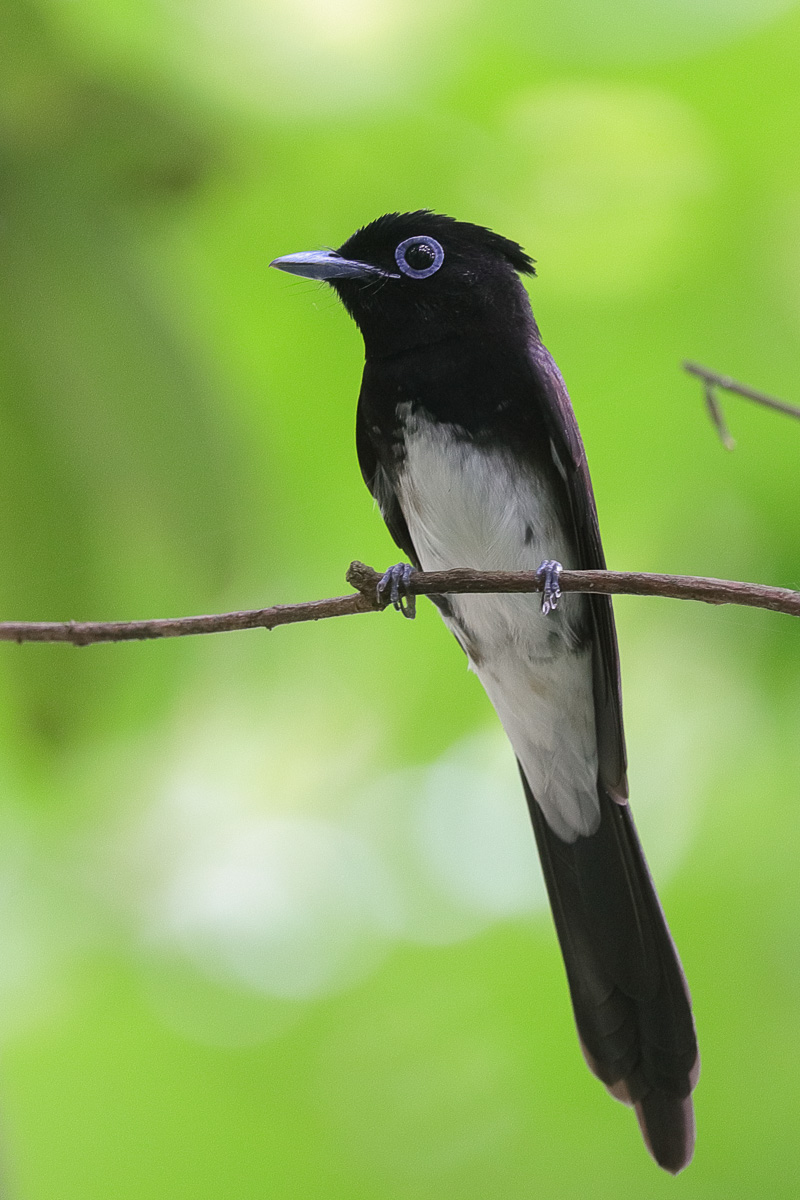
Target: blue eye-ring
[(419, 256)]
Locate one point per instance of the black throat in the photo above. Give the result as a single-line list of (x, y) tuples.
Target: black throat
[(486, 391)]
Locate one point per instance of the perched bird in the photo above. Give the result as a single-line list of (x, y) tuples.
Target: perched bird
[(467, 440)]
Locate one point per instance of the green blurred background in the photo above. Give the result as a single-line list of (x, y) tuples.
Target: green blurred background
[(270, 919)]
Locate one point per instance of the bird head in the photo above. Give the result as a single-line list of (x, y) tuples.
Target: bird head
[(409, 279)]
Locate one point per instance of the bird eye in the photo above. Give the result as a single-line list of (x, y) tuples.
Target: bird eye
[(419, 257)]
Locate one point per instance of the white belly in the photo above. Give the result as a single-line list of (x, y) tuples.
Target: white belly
[(465, 507)]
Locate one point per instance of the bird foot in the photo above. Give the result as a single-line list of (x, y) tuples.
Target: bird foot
[(549, 571), (396, 581)]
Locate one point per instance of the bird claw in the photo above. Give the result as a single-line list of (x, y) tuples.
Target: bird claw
[(396, 580), (549, 571)]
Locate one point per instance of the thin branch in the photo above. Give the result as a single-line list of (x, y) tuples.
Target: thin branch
[(718, 417), (365, 580), (86, 633), (623, 583), (713, 380)]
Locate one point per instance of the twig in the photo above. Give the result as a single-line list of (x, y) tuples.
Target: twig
[(713, 380), (718, 417), (365, 579), (86, 633)]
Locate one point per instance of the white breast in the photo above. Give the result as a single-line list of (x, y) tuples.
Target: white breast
[(466, 506)]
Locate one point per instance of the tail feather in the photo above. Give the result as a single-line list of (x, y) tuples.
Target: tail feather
[(667, 1126), (628, 991)]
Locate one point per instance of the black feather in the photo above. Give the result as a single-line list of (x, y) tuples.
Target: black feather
[(628, 990), (392, 228)]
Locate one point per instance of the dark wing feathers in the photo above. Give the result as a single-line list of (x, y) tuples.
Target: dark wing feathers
[(570, 454)]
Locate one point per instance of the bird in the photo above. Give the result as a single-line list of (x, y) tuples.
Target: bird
[(467, 440)]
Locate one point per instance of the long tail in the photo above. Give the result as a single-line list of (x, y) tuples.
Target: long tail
[(628, 991)]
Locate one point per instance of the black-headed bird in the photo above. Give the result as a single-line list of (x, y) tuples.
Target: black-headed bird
[(467, 440)]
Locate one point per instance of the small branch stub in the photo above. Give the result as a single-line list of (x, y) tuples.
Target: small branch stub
[(713, 380)]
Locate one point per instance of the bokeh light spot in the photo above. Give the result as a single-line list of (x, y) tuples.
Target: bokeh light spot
[(309, 56)]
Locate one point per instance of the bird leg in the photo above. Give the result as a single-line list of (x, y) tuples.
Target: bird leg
[(396, 580), (551, 592)]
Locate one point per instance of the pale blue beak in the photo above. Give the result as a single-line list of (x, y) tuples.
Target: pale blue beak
[(327, 264)]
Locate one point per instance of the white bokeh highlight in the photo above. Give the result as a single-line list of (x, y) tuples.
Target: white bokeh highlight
[(326, 57)]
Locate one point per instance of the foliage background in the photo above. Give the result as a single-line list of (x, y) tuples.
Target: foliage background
[(270, 921)]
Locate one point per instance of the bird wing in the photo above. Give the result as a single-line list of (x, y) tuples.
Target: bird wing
[(570, 459)]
